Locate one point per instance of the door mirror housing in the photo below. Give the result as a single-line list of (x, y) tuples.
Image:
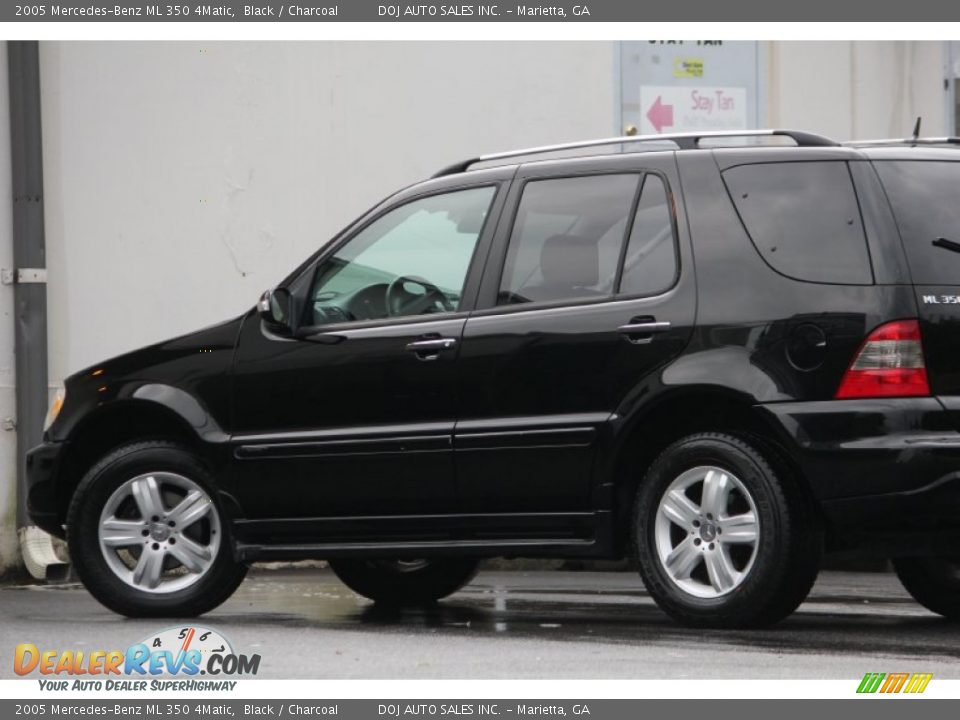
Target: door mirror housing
[(275, 308)]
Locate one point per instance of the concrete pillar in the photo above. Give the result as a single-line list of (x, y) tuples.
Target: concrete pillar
[(9, 546)]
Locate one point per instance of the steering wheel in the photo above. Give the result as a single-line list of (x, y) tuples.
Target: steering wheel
[(401, 302)]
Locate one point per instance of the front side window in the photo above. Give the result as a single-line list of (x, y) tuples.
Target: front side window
[(411, 261), (566, 239)]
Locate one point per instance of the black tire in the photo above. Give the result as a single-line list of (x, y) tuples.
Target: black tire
[(214, 586), (933, 582), (400, 583), (786, 558)]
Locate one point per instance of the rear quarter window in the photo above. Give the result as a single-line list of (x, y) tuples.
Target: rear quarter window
[(803, 219), (925, 197)]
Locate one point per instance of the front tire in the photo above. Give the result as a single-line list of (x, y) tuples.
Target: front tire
[(405, 582), (933, 582), (722, 538), (147, 535)]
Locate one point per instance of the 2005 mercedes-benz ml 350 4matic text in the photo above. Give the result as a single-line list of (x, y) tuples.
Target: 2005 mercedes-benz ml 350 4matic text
[(721, 354)]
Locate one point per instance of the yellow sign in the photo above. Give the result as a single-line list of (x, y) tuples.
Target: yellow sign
[(687, 67)]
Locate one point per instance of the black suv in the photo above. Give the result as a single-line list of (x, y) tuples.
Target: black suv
[(721, 355)]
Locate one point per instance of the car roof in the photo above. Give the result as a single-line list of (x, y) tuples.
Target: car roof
[(730, 148), (945, 151)]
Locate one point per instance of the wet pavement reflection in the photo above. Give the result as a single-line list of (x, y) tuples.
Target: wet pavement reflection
[(518, 624), (863, 612)]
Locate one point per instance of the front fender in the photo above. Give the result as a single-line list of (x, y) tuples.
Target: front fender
[(184, 406), (188, 376), (175, 403)]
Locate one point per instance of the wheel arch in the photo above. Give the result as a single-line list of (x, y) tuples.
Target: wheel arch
[(117, 423), (674, 414)]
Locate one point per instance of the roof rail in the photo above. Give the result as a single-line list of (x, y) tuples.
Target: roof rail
[(906, 141), (682, 141)]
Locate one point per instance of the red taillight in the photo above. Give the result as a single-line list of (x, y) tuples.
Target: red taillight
[(889, 364)]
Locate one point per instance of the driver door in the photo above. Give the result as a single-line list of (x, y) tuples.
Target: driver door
[(357, 419)]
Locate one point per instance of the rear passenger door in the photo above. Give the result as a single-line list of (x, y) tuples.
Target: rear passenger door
[(587, 293)]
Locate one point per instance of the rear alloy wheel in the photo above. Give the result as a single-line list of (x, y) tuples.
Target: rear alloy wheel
[(405, 582), (933, 582), (722, 539), (146, 534), (707, 549)]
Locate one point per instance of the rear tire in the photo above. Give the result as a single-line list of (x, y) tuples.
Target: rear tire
[(147, 535), (401, 583), (933, 582), (723, 539)]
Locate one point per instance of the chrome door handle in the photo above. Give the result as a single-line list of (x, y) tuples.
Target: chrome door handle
[(645, 327), (640, 333), (430, 349)]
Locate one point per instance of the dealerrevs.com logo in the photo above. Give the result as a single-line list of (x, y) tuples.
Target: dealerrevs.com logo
[(179, 652)]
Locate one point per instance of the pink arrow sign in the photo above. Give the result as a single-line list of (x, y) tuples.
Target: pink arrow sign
[(660, 115)]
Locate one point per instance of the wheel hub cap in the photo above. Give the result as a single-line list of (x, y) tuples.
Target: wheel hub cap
[(706, 532), (159, 532)]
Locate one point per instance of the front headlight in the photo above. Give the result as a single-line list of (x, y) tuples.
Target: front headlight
[(55, 406)]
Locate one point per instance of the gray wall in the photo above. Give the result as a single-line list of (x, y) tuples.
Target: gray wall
[(184, 179), (848, 90)]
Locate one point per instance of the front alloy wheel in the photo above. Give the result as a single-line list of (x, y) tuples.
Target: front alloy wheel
[(159, 532), (147, 536)]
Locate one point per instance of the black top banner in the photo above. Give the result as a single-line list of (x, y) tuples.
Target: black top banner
[(382, 11)]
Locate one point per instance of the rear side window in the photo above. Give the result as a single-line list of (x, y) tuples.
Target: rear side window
[(572, 236), (925, 196), (804, 219), (650, 262), (566, 238)]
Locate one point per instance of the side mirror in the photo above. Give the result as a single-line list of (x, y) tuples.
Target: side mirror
[(275, 309)]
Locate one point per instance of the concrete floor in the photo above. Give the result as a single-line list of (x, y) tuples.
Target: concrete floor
[(517, 624)]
